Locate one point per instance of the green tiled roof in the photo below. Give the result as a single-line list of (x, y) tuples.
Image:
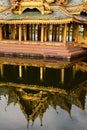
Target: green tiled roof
[(73, 10), (81, 18), (34, 15), (74, 2), (4, 2)]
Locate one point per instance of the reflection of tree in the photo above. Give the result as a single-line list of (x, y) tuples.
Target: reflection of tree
[(34, 102)]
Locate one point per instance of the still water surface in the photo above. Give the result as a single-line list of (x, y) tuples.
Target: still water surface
[(43, 98)]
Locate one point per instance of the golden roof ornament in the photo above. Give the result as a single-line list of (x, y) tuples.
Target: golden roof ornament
[(85, 6), (18, 6), (62, 1)]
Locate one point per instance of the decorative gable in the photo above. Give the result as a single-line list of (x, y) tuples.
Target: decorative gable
[(18, 6)]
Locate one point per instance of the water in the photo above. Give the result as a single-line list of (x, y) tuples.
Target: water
[(43, 96)]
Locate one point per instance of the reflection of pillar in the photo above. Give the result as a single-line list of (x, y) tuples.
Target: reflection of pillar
[(1, 70), (20, 71), (74, 70), (25, 67), (20, 32), (76, 67), (0, 32), (41, 73), (42, 33), (62, 75)]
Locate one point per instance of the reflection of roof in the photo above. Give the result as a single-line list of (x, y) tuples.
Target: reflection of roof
[(34, 108)]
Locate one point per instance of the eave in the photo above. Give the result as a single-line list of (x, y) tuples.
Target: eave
[(79, 20), (51, 21)]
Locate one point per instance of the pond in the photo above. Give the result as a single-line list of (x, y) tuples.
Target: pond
[(43, 96)]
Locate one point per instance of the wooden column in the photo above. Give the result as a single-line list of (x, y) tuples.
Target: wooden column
[(34, 32), (55, 32), (20, 32), (69, 33), (13, 32), (58, 33), (39, 33), (25, 33), (85, 30), (75, 32), (30, 32), (16, 32), (64, 35), (42, 33), (45, 35), (0, 32), (48, 33), (7, 31), (61, 33)]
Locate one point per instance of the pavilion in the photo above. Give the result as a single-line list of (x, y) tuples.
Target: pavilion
[(50, 28)]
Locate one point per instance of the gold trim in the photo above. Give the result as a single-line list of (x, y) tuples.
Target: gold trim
[(56, 21)]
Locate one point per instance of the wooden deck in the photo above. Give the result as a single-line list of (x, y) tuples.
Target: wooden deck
[(83, 45), (41, 50)]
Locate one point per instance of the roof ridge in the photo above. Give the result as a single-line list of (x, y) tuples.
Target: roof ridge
[(65, 11)]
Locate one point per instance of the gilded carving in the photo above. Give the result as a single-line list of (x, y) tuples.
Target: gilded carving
[(18, 6), (85, 6), (62, 1)]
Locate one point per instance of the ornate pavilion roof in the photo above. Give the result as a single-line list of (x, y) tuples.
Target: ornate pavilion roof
[(57, 14), (61, 13)]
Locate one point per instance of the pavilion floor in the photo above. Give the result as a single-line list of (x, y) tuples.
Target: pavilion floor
[(41, 50)]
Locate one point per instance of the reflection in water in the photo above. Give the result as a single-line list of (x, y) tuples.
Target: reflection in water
[(39, 92)]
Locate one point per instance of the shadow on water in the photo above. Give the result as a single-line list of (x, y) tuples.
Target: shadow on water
[(37, 89)]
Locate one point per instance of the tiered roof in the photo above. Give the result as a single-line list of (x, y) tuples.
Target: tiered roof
[(61, 13)]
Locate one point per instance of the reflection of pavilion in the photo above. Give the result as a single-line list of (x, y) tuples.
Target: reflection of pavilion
[(35, 87), (41, 73), (34, 102)]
